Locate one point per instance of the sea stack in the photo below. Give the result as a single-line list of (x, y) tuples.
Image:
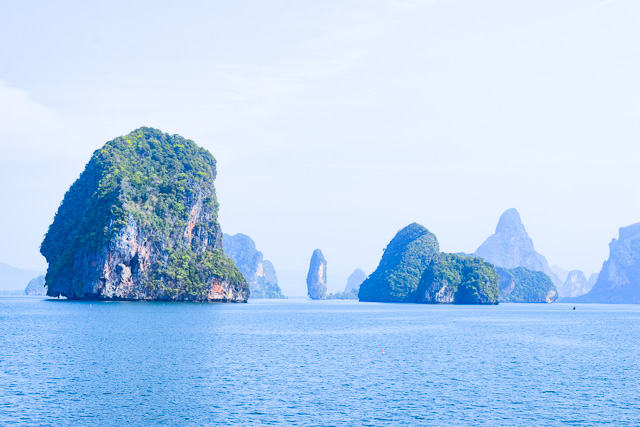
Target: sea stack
[(141, 223), (317, 276)]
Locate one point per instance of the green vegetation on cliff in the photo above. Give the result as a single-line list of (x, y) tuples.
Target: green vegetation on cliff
[(413, 269), (523, 285), (146, 199), (452, 278), (352, 295), (405, 258)]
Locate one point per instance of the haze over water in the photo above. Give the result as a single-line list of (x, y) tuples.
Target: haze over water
[(302, 362)]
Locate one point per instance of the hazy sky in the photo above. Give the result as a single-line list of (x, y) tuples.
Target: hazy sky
[(336, 123)]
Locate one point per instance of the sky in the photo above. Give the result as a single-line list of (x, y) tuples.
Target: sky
[(337, 123)]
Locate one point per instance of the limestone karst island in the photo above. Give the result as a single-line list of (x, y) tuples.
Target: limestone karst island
[(141, 223)]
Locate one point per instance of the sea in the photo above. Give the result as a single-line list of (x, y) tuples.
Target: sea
[(322, 363)]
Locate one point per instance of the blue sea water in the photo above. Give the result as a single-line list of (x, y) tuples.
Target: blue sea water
[(317, 363)]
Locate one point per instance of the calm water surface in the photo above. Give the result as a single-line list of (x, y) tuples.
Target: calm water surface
[(319, 363)]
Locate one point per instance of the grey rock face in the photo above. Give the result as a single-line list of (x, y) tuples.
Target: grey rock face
[(619, 279), (592, 281), (317, 276), (355, 280), (511, 247), (258, 272), (36, 286)]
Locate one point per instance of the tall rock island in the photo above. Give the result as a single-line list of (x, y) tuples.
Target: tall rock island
[(317, 276), (511, 247), (619, 279), (141, 223), (257, 271), (413, 269)]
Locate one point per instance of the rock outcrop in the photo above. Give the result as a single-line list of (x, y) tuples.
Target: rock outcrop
[(317, 276), (140, 223), (511, 247), (526, 286), (619, 279), (258, 272), (36, 287), (354, 281), (413, 269)]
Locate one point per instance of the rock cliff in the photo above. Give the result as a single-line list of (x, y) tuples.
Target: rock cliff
[(36, 287), (511, 247), (523, 285), (140, 223), (258, 272), (619, 279), (317, 276), (413, 269)]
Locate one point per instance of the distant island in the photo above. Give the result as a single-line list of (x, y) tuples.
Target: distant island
[(352, 288), (36, 287), (14, 279), (141, 223), (619, 279), (257, 271)]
